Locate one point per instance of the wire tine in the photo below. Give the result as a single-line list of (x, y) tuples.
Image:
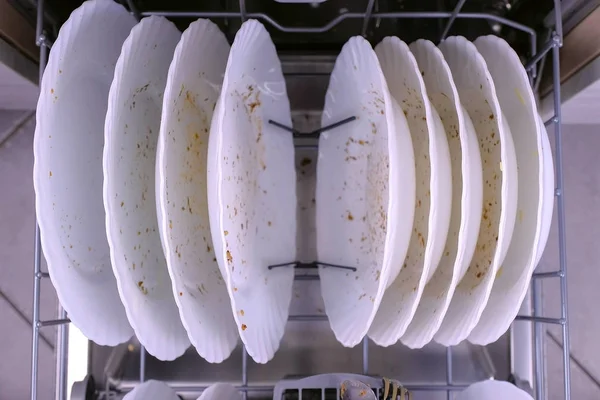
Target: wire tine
[(452, 18), (551, 121), (367, 17), (288, 264), (336, 266), (37, 246), (53, 322), (543, 320), (558, 21), (449, 377), (243, 10), (552, 274), (133, 9), (284, 127), (244, 372), (549, 45), (560, 210), (365, 355), (142, 364), (317, 132), (62, 345)]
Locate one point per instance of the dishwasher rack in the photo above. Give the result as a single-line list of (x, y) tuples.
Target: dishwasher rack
[(538, 57)]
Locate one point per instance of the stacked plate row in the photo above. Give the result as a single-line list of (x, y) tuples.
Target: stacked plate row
[(160, 161), (350, 388)]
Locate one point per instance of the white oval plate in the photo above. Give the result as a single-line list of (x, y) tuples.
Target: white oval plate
[(252, 190), (129, 162), (493, 390), (433, 192), (500, 188), (67, 173), (154, 390), (365, 191), (467, 192), (520, 111), (193, 86), (220, 391)]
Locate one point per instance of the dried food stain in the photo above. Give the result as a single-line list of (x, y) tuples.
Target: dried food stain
[(142, 288), (244, 327)]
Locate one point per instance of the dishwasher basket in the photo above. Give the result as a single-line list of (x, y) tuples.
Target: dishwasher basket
[(113, 372)]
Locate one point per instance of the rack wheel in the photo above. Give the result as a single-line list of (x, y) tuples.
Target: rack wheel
[(84, 390)]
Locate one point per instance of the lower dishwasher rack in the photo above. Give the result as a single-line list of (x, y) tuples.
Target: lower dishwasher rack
[(85, 370)]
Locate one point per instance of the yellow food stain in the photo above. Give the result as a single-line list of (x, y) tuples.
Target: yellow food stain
[(521, 99), (52, 91), (226, 233), (242, 313), (229, 257), (499, 273), (520, 215), (50, 173), (244, 327), (350, 216)]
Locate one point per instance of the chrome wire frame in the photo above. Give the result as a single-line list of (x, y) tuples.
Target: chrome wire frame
[(550, 47)]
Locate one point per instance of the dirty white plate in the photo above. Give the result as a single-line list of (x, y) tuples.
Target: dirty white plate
[(193, 86), (519, 108), (493, 390), (365, 193), (220, 391), (467, 191), (67, 173), (433, 192), (152, 390), (130, 137), (252, 190), (500, 188)]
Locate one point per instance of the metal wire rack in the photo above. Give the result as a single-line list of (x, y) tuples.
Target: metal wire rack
[(549, 48)]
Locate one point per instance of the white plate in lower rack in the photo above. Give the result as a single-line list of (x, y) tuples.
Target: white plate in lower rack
[(252, 190), (365, 193), (67, 173), (500, 188), (155, 390), (493, 390), (193, 86), (520, 111), (433, 192), (467, 191), (131, 134), (220, 391)]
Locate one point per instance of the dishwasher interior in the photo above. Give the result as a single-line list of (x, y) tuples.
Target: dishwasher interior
[(308, 37)]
